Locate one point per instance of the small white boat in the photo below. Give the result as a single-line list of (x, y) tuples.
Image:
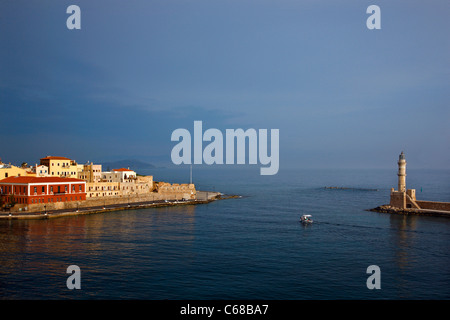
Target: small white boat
[(306, 219)]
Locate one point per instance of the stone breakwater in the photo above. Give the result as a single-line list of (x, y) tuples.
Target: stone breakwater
[(411, 211), (347, 188), (109, 208)]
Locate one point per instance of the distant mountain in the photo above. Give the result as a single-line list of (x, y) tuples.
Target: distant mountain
[(130, 163)]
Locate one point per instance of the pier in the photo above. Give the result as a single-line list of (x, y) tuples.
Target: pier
[(411, 211)]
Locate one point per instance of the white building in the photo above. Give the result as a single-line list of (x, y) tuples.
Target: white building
[(125, 174), (40, 170)]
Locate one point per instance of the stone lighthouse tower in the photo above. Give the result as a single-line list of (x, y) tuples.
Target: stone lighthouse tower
[(401, 173), (403, 198)]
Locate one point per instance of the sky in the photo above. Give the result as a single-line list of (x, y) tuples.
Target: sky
[(341, 95)]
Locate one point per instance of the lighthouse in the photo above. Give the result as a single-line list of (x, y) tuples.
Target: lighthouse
[(401, 173), (403, 198)]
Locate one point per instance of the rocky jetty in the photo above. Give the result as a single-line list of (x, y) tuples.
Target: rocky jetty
[(410, 211)]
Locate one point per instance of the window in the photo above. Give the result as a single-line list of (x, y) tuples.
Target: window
[(43, 189), (65, 188), (35, 189), (80, 188), (51, 189)]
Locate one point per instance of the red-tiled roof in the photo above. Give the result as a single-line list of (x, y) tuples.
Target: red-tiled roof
[(122, 169), (55, 158), (25, 179)]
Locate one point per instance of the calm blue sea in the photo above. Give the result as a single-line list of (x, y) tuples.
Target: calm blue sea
[(248, 248)]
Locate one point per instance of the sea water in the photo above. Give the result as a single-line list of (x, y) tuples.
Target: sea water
[(253, 247)]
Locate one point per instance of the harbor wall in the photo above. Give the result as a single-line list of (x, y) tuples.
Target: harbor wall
[(434, 205), (104, 201)]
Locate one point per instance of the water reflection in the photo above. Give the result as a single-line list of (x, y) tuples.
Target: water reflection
[(403, 238), (106, 246)]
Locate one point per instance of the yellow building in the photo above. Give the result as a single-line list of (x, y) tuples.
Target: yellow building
[(61, 167), (8, 170)]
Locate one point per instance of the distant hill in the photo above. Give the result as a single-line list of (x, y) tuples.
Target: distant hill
[(130, 163)]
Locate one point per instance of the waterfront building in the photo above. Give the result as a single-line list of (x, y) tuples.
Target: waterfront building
[(125, 174), (136, 185), (110, 177), (59, 183), (61, 166), (34, 190), (90, 172), (177, 191), (102, 189), (115, 184)]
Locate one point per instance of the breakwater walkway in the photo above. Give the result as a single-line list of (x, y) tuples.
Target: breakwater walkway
[(108, 208)]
